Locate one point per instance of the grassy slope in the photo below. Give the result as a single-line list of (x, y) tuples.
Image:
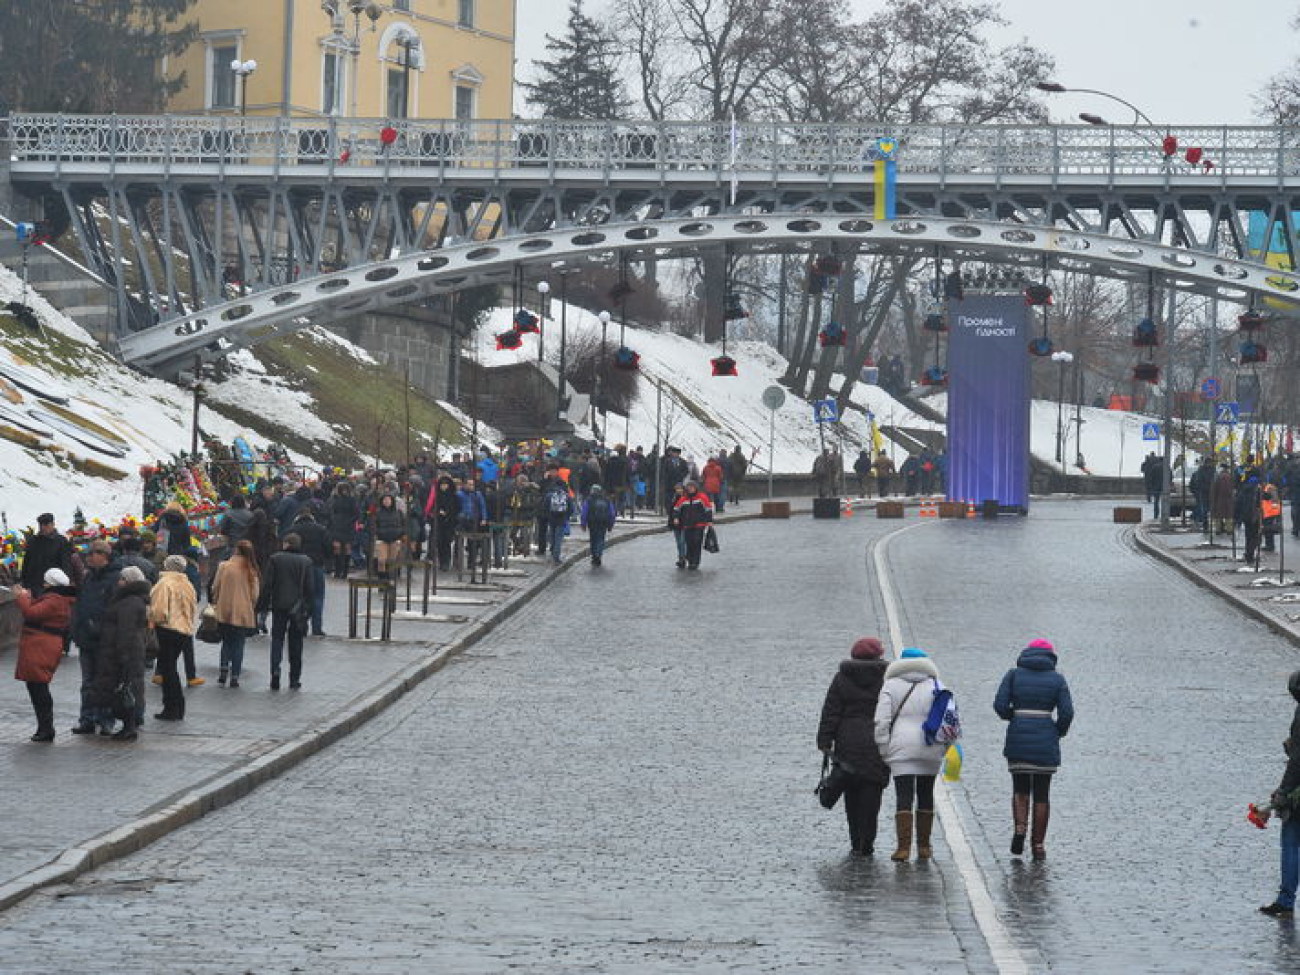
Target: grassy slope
[(365, 402)]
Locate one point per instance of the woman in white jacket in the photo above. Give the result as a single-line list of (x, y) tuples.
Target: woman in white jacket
[(911, 682)]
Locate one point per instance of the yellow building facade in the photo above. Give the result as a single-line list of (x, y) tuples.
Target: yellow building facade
[(429, 59)]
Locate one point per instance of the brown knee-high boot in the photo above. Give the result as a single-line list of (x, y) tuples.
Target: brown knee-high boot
[(1042, 813), (1020, 821), (924, 823), (903, 827)]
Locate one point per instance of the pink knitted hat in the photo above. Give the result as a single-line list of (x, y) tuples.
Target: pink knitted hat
[(1041, 645)]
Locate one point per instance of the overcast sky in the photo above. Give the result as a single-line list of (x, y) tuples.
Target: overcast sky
[(1180, 61)]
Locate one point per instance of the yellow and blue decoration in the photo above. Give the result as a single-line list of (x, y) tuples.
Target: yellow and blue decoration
[(884, 156)]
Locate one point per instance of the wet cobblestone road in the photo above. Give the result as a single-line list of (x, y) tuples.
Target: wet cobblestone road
[(618, 780)]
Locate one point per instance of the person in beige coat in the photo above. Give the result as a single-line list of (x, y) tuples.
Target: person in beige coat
[(234, 598), (173, 606)]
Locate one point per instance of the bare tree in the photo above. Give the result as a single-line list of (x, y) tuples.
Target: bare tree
[(1279, 100)]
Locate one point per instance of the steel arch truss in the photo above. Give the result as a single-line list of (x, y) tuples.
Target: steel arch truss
[(247, 320)]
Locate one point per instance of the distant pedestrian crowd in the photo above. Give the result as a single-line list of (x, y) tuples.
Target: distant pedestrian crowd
[(138, 600)]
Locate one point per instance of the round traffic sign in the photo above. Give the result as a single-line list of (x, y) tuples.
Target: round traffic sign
[(773, 397), (1211, 389)]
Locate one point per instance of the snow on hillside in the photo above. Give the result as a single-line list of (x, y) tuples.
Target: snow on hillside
[(1112, 444)]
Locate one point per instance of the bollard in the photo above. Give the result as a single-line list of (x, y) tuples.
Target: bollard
[(992, 508), (826, 507), (889, 509), (387, 599), (776, 509)]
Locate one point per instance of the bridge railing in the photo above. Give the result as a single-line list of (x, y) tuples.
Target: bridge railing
[(752, 148)]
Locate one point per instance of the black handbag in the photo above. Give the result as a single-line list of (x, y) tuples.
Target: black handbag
[(710, 540), (123, 704), (834, 780)]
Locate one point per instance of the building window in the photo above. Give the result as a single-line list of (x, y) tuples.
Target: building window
[(466, 13), (464, 102), (221, 80), (402, 5), (398, 90), (332, 83)]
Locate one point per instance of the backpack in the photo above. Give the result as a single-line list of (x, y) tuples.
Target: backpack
[(943, 724), (598, 512), (559, 502)]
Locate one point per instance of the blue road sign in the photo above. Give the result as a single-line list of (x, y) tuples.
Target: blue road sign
[(1211, 389), (1228, 413), (1151, 431), (826, 411)]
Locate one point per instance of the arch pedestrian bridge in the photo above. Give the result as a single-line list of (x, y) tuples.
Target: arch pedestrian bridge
[(219, 232)]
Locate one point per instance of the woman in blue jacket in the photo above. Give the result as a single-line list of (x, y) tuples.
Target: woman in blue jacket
[(1035, 699)]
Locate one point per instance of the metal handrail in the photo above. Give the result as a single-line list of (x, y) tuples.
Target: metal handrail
[(601, 148)]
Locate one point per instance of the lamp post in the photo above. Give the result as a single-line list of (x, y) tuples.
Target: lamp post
[(598, 385), (561, 417), (409, 42), (357, 8), (544, 290), (1056, 88), (1062, 359), (242, 70)]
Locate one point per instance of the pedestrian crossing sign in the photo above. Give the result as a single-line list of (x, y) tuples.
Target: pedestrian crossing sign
[(826, 411), (1228, 413), (1151, 431)]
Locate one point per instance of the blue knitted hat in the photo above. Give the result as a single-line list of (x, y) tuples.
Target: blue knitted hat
[(911, 653)]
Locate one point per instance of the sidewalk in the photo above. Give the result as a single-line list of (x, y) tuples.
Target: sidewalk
[(1270, 596), (84, 800)]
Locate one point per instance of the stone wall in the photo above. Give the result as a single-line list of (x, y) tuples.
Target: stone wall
[(417, 336)]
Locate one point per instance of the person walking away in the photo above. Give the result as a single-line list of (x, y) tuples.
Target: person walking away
[(173, 530), (910, 472), (97, 588), (846, 733), (618, 480), (46, 549), (822, 472), (694, 514), (389, 532), (1223, 493), (235, 589), (1035, 701), (233, 525), (315, 545), (597, 517), (557, 506), (522, 505), (496, 497), (884, 474), (737, 468), (1247, 513), (286, 592), (1285, 802), (343, 513), (1153, 479), (173, 607), (122, 647), (911, 682), (1200, 483), (46, 618), (862, 468), (711, 480)]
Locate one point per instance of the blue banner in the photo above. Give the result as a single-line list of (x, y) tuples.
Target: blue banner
[(988, 400)]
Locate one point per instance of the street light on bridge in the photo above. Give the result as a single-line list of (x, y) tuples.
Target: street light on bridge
[(598, 385), (242, 70), (1057, 88)]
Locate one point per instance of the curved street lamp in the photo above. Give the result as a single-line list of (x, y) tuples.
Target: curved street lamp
[(1062, 359), (1056, 88), (604, 317)]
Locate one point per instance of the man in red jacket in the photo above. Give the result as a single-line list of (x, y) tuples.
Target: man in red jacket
[(693, 512)]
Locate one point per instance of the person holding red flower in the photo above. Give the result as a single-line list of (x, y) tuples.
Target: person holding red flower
[(1284, 805)]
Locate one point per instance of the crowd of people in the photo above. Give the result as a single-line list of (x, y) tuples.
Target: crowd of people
[(139, 598), (1251, 496), (921, 472)]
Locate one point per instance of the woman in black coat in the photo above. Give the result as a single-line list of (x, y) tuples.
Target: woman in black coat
[(444, 513), (847, 731), (121, 650), (342, 515)]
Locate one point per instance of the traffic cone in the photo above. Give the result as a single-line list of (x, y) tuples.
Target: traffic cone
[(847, 508), (929, 509), (970, 509)]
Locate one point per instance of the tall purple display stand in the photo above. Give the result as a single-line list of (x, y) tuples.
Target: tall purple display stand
[(988, 401)]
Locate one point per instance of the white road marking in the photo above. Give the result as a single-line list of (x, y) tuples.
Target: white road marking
[(1006, 955)]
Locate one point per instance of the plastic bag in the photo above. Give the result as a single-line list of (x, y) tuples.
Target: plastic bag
[(952, 762)]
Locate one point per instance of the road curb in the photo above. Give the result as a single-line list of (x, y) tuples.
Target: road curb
[(226, 788), (1141, 536)]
